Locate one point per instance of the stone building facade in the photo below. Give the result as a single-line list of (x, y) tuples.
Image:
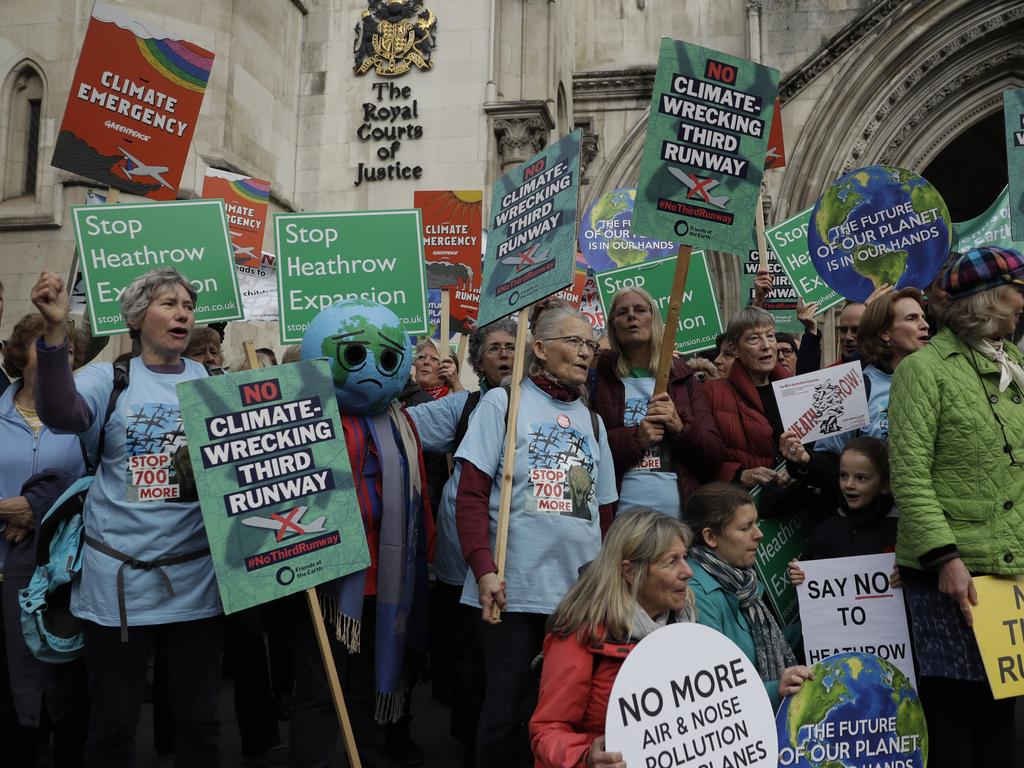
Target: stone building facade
[(907, 82)]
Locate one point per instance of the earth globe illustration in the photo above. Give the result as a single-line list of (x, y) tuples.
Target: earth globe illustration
[(606, 240), (875, 225), (843, 718)]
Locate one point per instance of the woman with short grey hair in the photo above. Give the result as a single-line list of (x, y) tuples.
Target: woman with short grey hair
[(744, 404), (147, 580), (563, 488)]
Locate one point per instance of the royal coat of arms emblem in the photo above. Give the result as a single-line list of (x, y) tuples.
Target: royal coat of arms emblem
[(394, 35)]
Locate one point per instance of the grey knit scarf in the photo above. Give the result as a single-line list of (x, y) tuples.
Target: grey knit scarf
[(773, 652)]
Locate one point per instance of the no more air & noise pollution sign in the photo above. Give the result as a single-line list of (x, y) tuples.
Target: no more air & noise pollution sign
[(118, 243), (324, 258), (706, 708)]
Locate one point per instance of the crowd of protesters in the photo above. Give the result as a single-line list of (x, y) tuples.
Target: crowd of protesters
[(629, 510)]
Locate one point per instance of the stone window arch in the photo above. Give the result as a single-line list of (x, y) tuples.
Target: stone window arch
[(23, 104)]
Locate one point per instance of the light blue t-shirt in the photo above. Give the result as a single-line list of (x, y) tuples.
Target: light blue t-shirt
[(878, 413), (436, 423), (650, 483), (132, 505), (562, 475)]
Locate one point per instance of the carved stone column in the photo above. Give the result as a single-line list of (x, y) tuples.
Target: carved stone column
[(521, 130)]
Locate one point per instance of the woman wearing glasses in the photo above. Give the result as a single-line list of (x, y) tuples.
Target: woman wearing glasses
[(664, 445), (956, 432), (744, 405), (563, 487), (456, 667)]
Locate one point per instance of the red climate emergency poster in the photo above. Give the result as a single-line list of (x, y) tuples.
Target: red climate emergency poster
[(245, 203), (133, 105), (452, 247)]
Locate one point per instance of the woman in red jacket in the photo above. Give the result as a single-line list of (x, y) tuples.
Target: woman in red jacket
[(744, 404), (637, 583), (664, 446)]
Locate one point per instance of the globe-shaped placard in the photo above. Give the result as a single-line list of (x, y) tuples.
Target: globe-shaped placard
[(859, 711), (878, 225), (687, 695), (606, 240)]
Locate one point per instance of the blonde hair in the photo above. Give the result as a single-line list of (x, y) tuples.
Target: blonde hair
[(602, 605), (622, 366), (979, 315)]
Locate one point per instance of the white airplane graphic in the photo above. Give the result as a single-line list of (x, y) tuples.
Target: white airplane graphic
[(286, 523), (700, 188), (135, 167), (525, 259), (243, 253)]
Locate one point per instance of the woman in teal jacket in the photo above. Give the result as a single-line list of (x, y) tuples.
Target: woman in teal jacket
[(726, 588), (956, 432)]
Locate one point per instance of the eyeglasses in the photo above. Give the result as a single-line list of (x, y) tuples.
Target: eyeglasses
[(577, 342), (496, 350), (786, 352)]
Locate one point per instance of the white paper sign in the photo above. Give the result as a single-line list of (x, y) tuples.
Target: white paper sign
[(848, 604), (687, 695), (823, 403), (258, 286)]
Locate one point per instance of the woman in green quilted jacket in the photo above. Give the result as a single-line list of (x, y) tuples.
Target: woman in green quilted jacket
[(956, 435)]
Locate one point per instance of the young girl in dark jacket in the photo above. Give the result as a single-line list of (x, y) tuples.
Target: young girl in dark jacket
[(864, 523)]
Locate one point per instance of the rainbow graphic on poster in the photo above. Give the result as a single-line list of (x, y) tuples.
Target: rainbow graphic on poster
[(252, 190), (178, 62)]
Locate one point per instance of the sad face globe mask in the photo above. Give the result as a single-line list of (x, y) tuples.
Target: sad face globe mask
[(368, 350)]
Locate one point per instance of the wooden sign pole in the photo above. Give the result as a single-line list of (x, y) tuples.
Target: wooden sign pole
[(332, 679), (509, 455), (762, 245), (668, 340), (460, 354), (321, 636)]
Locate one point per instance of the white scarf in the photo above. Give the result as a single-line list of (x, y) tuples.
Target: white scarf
[(1009, 370), (643, 624)]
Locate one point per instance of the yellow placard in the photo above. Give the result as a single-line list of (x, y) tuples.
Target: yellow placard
[(999, 629)]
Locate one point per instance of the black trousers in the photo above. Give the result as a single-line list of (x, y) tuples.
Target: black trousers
[(247, 664), (456, 660), (116, 671), (967, 728), (313, 724), (511, 694)]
